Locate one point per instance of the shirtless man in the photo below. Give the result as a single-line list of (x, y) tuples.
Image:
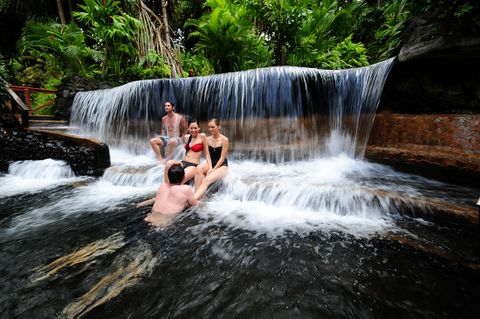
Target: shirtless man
[(172, 197), (174, 127)]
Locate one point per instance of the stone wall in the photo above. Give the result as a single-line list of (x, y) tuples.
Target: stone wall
[(85, 156), (444, 147)]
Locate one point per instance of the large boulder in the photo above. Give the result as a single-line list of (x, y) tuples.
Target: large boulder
[(437, 66), (85, 156)]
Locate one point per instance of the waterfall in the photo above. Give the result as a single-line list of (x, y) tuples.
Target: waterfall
[(276, 114)]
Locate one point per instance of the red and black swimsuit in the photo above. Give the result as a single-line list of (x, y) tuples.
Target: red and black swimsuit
[(195, 148)]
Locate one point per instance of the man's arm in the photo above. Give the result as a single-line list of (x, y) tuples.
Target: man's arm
[(191, 201), (146, 202)]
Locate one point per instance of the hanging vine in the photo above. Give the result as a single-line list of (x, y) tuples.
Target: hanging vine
[(155, 37)]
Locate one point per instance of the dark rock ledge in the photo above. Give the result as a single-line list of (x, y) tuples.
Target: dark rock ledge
[(85, 156)]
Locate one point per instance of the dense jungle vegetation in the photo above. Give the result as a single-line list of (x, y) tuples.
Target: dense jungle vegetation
[(43, 42)]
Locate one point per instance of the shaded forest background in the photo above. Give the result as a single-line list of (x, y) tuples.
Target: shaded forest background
[(43, 42)]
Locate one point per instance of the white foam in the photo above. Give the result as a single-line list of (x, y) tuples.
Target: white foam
[(316, 195), (100, 197), (326, 194), (34, 176), (44, 169)]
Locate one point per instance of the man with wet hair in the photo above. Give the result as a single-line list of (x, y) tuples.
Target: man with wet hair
[(174, 127), (172, 197)]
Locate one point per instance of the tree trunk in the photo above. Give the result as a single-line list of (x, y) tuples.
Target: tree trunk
[(165, 22), (61, 13), (70, 11)]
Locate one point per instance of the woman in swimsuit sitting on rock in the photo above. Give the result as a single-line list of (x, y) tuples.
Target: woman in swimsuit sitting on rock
[(217, 164), (195, 147)]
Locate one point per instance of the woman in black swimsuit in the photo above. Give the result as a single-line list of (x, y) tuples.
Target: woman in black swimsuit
[(217, 163)]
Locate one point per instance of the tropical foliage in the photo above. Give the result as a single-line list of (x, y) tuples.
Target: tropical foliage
[(387, 37), (112, 31), (324, 38), (310, 33), (225, 37), (4, 76), (124, 40), (58, 48)]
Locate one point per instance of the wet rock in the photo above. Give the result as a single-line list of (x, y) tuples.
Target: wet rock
[(443, 147), (85, 156)]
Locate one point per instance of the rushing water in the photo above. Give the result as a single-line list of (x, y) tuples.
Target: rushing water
[(314, 233), (277, 113), (319, 238)]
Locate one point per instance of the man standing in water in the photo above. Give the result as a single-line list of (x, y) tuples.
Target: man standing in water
[(174, 127), (172, 197)]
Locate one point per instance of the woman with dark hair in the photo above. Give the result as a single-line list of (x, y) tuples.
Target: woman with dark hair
[(217, 163), (195, 147)]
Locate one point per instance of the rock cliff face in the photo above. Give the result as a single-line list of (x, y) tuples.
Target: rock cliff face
[(436, 69), (429, 117), (444, 147), (434, 84)]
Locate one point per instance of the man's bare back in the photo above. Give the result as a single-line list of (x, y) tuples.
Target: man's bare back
[(170, 200), (172, 197)]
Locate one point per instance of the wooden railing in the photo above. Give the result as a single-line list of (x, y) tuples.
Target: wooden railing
[(25, 108)]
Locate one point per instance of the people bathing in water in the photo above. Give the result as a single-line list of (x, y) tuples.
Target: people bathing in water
[(173, 128), (195, 146), (172, 197), (217, 164)]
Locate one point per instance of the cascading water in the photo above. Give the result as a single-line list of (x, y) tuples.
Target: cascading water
[(274, 113), (282, 115), (312, 125), (301, 227)]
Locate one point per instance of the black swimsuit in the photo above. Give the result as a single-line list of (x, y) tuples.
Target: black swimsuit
[(215, 154), (186, 164)]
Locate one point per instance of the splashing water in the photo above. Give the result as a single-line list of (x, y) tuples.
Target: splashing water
[(31, 176), (45, 169)]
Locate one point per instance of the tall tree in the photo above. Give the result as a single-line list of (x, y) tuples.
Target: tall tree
[(61, 12), (166, 26)]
